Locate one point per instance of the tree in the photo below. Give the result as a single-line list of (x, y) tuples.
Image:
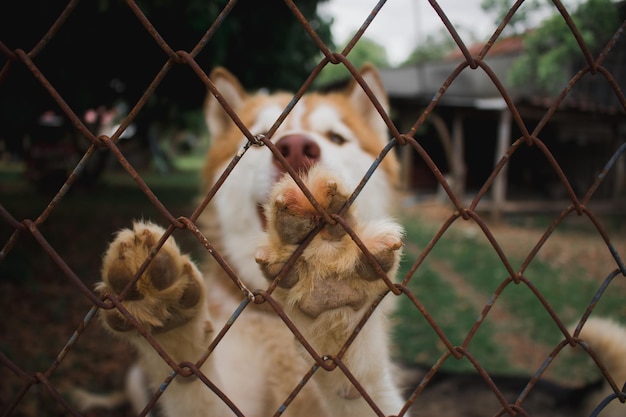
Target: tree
[(366, 51), (102, 54), (520, 21), (551, 49), (435, 47)]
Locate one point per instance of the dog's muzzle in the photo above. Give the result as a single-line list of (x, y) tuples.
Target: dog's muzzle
[(301, 153)]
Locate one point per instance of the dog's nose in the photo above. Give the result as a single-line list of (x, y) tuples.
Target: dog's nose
[(299, 150)]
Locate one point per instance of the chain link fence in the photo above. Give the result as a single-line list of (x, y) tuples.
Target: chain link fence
[(23, 228)]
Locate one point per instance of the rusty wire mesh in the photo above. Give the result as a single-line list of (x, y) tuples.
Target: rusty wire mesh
[(21, 227)]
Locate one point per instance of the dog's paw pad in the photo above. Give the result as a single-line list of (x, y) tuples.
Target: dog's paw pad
[(329, 295), (293, 220), (292, 215), (165, 294), (193, 291), (386, 251), (118, 276), (271, 264)]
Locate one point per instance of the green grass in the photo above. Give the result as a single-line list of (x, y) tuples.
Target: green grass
[(44, 306), (84, 221), (414, 337), (472, 259), (416, 340)]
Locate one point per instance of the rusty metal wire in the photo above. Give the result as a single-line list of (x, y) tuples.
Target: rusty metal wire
[(25, 226)]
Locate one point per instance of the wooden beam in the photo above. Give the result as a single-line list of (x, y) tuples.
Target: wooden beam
[(502, 145)]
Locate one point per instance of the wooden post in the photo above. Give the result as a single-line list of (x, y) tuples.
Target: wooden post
[(500, 182), (406, 159), (458, 151)]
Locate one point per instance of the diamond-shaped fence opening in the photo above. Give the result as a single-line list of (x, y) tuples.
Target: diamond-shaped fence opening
[(51, 275)]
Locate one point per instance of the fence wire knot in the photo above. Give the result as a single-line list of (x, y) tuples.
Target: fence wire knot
[(454, 191)]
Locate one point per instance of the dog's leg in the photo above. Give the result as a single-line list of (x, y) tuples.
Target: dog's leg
[(331, 286), (168, 301)]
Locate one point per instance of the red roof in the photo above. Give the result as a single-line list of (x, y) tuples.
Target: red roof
[(503, 46)]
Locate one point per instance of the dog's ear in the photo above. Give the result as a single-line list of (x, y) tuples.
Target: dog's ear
[(232, 91), (362, 103)]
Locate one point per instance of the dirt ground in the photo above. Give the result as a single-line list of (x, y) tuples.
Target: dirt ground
[(40, 317)]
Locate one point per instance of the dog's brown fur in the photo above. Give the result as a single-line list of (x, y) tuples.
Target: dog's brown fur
[(330, 287), (258, 363)]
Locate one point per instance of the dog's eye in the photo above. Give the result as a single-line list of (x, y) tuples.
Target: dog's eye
[(336, 138)]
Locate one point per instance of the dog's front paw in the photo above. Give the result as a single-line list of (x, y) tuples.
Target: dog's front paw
[(332, 272), (292, 216), (168, 293)]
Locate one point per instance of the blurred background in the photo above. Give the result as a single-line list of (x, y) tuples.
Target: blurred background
[(102, 60)]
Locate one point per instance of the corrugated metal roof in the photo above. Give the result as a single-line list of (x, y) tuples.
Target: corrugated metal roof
[(423, 81)]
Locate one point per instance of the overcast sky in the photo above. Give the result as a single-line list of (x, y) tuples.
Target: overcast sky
[(401, 24)]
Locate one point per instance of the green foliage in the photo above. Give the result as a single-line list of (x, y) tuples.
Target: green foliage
[(103, 41), (457, 279), (366, 51), (551, 50), (518, 23), (435, 47), (416, 341)]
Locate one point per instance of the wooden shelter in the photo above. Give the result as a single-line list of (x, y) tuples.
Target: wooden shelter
[(471, 128)]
